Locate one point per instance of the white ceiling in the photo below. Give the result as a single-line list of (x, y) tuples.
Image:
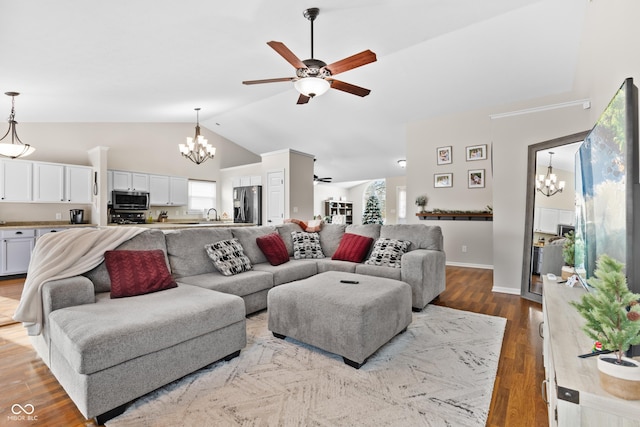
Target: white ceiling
[(155, 60)]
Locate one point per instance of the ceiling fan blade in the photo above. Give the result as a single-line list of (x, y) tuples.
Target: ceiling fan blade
[(349, 88), (257, 82), (287, 54), (303, 99), (354, 61)]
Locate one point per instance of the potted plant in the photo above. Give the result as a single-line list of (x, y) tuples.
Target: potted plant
[(612, 315), (569, 255), (422, 202)]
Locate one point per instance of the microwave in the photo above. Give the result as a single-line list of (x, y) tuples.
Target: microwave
[(130, 200)]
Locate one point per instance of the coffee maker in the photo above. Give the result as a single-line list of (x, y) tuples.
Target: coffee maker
[(77, 216)]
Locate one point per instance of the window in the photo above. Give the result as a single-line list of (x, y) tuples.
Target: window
[(202, 196), (402, 204)]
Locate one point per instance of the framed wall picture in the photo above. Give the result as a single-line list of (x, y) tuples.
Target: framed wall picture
[(442, 180), (476, 152), (444, 155), (476, 178)]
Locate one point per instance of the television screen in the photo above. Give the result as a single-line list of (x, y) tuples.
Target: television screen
[(608, 189), (601, 197)]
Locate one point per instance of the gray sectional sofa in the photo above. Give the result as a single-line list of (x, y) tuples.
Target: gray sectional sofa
[(106, 352)]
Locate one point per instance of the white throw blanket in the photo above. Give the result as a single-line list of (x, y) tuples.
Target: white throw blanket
[(62, 255)]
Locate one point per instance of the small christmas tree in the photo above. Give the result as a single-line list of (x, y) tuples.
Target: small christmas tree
[(372, 214), (612, 312)]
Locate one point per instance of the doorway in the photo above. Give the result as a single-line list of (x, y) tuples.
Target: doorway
[(545, 213)]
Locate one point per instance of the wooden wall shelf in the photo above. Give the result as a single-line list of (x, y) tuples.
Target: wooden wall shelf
[(441, 216)]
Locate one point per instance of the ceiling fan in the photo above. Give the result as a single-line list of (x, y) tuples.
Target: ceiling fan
[(317, 179), (313, 76)]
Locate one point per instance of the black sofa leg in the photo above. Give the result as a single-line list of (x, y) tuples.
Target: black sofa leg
[(232, 356), (103, 418), (277, 335), (352, 363)]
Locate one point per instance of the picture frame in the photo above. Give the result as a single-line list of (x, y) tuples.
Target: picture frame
[(476, 152), (444, 155), (475, 178), (442, 180)]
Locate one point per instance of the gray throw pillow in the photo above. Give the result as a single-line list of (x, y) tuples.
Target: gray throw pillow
[(228, 257), (306, 245), (387, 252)]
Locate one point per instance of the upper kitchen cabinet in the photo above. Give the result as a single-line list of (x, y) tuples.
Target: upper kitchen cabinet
[(54, 182), (16, 181), (168, 190), (130, 181), (78, 184)]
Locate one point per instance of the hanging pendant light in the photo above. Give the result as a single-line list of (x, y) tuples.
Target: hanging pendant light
[(548, 184), (14, 148), (197, 149)]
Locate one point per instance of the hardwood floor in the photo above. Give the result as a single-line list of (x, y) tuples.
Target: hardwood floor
[(516, 401)]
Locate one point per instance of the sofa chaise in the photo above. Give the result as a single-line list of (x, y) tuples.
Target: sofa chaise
[(106, 352)]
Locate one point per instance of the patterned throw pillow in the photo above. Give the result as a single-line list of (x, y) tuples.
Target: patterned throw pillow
[(306, 245), (137, 272), (228, 257), (387, 252)]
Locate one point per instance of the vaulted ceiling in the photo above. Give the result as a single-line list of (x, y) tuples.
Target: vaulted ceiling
[(155, 60)]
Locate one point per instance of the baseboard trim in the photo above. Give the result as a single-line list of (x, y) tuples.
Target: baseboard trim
[(502, 290), (463, 264)]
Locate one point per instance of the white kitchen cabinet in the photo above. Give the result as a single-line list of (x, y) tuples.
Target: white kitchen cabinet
[(159, 190), (53, 182), (48, 182), (168, 190), (566, 217), (546, 220), (15, 250), (16, 178), (256, 180), (78, 184), (130, 181), (179, 190)]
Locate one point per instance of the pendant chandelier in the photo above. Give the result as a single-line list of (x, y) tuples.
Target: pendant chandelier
[(14, 148), (548, 184), (197, 149)]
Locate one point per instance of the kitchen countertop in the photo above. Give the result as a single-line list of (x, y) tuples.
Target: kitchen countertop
[(178, 224), (11, 225)]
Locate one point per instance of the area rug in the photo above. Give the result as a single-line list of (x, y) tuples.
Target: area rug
[(440, 372)]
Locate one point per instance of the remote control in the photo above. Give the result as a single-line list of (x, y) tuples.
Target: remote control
[(353, 282)]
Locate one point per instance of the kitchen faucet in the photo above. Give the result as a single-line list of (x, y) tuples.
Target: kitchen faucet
[(216, 217)]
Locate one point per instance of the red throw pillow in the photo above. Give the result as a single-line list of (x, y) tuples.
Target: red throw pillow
[(272, 246), (353, 247), (137, 272)]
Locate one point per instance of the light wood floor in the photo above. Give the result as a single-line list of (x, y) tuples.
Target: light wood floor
[(516, 401)]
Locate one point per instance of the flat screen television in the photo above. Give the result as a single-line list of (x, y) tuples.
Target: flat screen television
[(608, 191)]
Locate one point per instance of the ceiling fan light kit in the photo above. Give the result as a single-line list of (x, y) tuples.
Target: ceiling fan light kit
[(313, 76)]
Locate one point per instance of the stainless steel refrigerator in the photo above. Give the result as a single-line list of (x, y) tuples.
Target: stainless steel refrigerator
[(247, 204)]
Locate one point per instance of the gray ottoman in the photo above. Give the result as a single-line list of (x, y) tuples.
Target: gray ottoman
[(351, 320)]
